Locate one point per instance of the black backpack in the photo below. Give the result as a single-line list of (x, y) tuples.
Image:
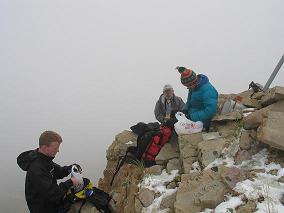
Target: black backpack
[(97, 197), (100, 200), (145, 134)]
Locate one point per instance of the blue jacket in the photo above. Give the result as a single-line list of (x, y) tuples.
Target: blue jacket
[(202, 101)]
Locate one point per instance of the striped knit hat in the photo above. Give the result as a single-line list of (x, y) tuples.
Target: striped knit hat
[(187, 76)]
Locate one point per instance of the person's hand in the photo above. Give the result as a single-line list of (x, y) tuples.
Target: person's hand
[(165, 119), (77, 165), (75, 181), (173, 113), (184, 111), (170, 123)]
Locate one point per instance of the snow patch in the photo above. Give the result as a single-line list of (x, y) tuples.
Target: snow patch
[(280, 172), (228, 162), (231, 203), (227, 155), (257, 161), (264, 185), (226, 206), (129, 143), (157, 184), (195, 167)]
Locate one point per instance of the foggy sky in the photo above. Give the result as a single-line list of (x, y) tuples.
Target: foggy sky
[(90, 69)]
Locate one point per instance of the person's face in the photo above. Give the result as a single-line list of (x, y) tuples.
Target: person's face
[(190, 86), (169, 93), (52, 149)]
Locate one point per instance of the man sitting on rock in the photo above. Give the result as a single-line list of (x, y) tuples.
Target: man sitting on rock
[(202, 100), (167, 103)]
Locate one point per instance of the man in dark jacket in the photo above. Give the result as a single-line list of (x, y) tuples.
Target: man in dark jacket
[(167, 104), (43, 194)]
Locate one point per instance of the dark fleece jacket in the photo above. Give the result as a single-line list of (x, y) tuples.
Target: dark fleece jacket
[(43, 194)]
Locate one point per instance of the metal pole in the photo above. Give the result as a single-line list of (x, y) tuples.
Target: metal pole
[(274, 73)]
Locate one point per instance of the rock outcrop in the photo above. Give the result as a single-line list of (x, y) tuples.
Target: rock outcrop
[(226, 168), (203, 191), (271, 131)]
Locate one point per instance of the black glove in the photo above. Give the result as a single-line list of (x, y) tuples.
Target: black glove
[(170, 123), (184, 111), (173, 113)]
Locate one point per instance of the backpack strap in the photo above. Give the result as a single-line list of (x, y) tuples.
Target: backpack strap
[(120, 163), (82, 204)]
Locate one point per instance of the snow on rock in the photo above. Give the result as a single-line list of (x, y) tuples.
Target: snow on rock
[(195, 167), (157, 184), (264, 185), (280, 172), (259, 161), (231, 203), (227, 156), (226, 206), (129, 143), (229, 162)]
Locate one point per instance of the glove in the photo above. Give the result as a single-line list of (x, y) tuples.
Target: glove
[(173, 113), (170, 123), (184, 111)]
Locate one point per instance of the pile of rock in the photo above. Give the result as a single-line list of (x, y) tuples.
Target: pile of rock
[(210, 164), (268, 122)]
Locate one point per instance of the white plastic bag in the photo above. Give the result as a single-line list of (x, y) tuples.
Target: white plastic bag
[(229, 106), (76, 172), (185, 126)]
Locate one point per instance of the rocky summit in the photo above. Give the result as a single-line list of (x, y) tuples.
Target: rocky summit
[(235, 167)]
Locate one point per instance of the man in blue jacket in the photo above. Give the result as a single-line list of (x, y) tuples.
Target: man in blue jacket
[(202, 97)]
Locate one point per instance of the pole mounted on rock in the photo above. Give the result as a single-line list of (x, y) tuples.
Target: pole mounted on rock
[(274, 73)]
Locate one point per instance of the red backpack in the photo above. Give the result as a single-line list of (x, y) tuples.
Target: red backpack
[(151, 138), (157, 142)]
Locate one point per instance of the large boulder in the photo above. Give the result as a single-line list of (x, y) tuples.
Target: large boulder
[(146, 197), (188, 145), (116, 150), (225, 128), (154, 170), (273, 95), (169, 151), (138, 205), (272, 130), (254, 120), (231, 175), (251, 102), (210, 135), (247, 139), (174, 164), (249, 207), (168, 202), (122, 141), (242, 155), (200, 192), (125, 184), (208, 151), (231, 116)]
